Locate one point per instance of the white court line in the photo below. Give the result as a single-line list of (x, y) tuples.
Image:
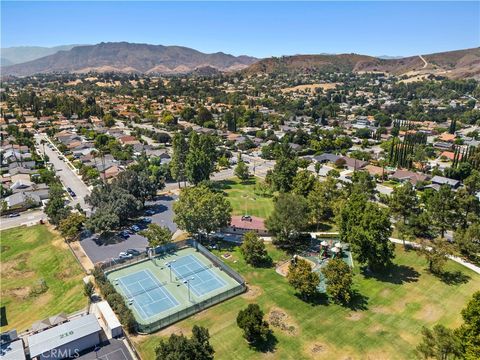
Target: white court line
[(168, 296), (105, 356)]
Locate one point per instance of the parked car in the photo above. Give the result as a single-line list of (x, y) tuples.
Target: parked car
[(123, 234), (147, 220), (125, 255), (149, 212), (133, 252), (72, 194), (135, 228), (12, 215)]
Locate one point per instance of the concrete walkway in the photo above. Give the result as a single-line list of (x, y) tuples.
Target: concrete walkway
[(457, 259)]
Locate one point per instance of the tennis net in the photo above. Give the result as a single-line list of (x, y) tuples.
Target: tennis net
[(183, 276), (132, 294)]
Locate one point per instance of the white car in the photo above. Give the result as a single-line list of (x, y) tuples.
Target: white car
[(125, 255)]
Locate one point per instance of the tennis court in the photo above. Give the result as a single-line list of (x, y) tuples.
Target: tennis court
[(147, 294), (200, 276)]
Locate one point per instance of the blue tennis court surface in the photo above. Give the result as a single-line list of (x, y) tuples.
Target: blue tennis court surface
[(204, 279), (148, 295)]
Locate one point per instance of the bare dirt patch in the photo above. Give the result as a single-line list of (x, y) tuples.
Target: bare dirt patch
[(310, 87), (19, 293), (380, 310), (376, 328), (252, 292), (354, 316), (279, 319), (282, 268), (318, 350), (385, 293), (15, 268), (429, 313), (82, 256)]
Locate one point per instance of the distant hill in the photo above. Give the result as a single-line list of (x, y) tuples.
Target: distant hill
[(128, 57), (21, 54), (453, 64)]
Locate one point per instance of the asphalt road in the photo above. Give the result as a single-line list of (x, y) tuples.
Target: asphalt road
[(27, 217), (101, 250), (67, 176)]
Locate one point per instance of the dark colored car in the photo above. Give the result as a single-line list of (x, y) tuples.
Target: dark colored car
[(133, 252)]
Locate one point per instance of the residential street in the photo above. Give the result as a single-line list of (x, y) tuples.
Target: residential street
[(65, 173), (27, 217)]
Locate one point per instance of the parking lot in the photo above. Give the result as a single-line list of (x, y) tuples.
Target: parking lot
[(99, 249)]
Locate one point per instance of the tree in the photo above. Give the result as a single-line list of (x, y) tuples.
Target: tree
[(288, 220), (199, 163), (71, 226), (468, 241), (302, 278), (241, 170), (303, 183), (339, 279), (138, 183), (322, 198), (180, 347), (157, 235), (439, 343), (436, 252), (442, 207), (250, 320), (285, 169), (469, 331), (367, 228), (56, 209), (201, 211), (362, 182), (253, 249), (403, 202), (177, 165)]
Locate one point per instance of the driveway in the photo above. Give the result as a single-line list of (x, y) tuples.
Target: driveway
[(100, 250)]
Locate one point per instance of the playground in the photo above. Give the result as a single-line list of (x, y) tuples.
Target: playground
[(318, 254)]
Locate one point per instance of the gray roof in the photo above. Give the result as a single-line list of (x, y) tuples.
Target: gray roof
[(445, 181), (55, 337), (13, 350), (325, 157)]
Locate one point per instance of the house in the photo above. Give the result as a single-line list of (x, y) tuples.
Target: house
[(375, 171), (412, 177), (22, 200), (447, 137), (354, 164), (326, 157), (440, 180), (243, 224), (11, 346), (112, 171), (128, 140)]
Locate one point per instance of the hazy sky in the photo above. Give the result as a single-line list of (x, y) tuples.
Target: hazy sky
[(253, 28)]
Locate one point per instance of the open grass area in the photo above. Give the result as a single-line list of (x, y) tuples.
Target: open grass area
[(383, 323), (28, 255), (243, 198)]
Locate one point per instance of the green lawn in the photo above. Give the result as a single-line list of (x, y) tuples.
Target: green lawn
[(384, 323), (244, 200), (29, 254)]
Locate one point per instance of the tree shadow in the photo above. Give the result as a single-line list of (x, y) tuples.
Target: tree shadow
[(454, 277), (395, 274), (315, 300), (358, 302), (266, 346), (265, 264)]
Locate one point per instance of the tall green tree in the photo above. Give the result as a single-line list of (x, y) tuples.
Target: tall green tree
[(322, 198), (201, 211), (439, 343), (302, 278), (56, 209), (179, 157), (442, 208), (241, 170), (339, 279), (288, 220), (367, 228), (303, 183), (71, 226), (157, 235), (469, 331), (250, 320), (253, 249), (182, 348)]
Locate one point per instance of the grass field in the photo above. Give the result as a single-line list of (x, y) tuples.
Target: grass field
[(29, 254), (244, 200), (384, 323)]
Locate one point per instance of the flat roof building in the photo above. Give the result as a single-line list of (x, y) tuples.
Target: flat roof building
[(65, 340)]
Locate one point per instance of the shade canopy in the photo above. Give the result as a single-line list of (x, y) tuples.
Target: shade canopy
[(324, 243), (335, 249)]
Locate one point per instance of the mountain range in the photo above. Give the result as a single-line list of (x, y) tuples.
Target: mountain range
[(128, 57), (159, 59), (20, 54)]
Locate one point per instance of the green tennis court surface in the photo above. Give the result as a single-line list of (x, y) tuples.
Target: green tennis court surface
[(171, 286)]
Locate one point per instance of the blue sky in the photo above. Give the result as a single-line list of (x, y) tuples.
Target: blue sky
[(253, 28)]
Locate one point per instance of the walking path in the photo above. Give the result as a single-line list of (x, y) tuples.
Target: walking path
[(457, 259)]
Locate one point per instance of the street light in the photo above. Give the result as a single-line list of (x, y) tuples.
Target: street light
[(169, 265), (187, 281)]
